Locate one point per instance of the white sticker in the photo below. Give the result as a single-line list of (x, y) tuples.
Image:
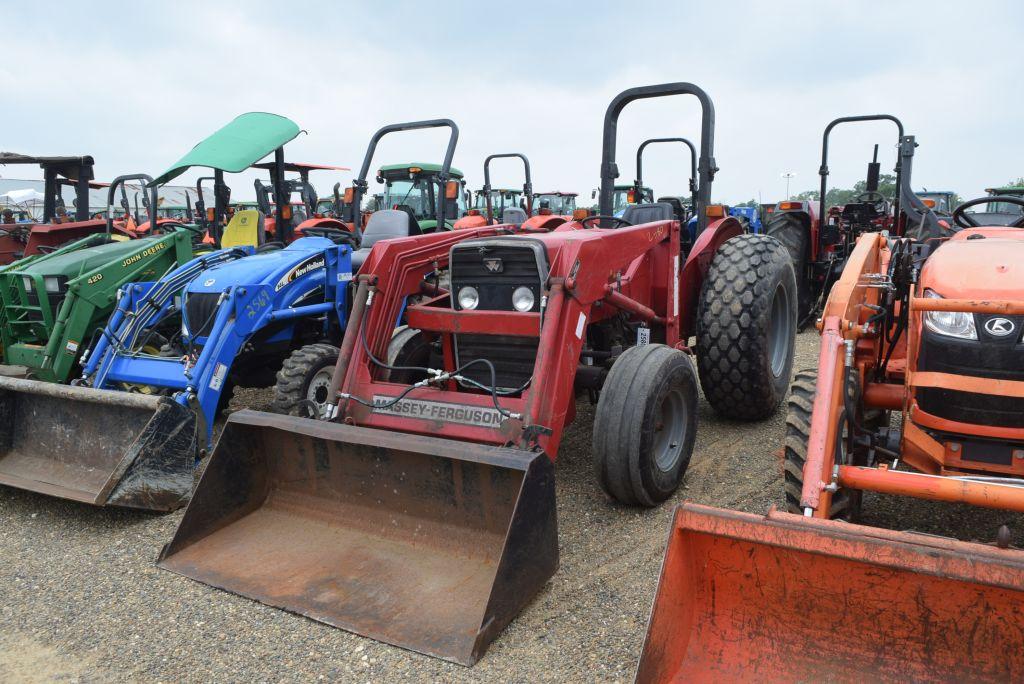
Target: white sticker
[(439, 411), (675, 288), (72, 347), (580, 324), (344, 277), (643, 337), (217, 381)]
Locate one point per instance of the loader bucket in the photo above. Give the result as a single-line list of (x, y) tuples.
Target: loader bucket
[(425, 543), (784, 598), (96, 446)]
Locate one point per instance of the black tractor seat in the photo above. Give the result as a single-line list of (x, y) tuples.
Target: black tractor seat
[(636, 214)]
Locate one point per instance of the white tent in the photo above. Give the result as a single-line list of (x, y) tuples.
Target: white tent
[(25, 196)]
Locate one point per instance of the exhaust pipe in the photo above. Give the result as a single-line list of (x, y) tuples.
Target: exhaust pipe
[(785, 598), (99, 447), (429, 544)]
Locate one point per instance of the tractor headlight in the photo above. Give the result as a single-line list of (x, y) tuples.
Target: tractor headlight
[(469, 298), (27, 282), (52, 284), (523, 299), (959, 324)]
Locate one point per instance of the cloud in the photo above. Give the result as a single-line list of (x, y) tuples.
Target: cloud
[(136, 85)]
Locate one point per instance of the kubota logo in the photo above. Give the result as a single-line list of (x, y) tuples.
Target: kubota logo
[(999, 327)]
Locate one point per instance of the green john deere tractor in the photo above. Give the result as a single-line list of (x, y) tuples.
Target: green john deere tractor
[(415, 188), (52, 303)]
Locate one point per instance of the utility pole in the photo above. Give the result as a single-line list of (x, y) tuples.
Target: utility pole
[(788, 176)]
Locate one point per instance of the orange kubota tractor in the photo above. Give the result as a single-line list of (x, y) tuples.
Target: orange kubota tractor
[(919, 392)]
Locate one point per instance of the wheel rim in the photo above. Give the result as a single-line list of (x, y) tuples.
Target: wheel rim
[(670, 431), (319, 388), (779, 331)]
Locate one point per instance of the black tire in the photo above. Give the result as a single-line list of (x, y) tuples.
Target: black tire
[(305, 377), (638, 459), (792, 231), (746, 327), (845, 503), (409, 348)]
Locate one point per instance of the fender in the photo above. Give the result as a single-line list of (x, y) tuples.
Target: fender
[(544, 223), (322, 223), (696, 267)]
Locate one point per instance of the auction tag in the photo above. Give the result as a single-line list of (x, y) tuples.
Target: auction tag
[(643, 337)]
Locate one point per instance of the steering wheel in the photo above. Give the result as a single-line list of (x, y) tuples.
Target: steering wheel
[(170, 226), (337, 235), (598, 217), (964, 220), (870, 196)]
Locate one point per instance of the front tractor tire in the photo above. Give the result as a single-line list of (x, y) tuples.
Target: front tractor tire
[(645, 425), (303, 383), (845, 503), (746, 327)]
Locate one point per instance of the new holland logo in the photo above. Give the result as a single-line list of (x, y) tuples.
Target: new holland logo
[(494, 265), (999, 327), (308, 266)]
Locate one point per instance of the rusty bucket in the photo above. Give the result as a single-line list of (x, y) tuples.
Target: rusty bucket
[(96, 446), (425, 543), (784, 598)]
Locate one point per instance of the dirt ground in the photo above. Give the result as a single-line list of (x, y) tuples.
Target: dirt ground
[(81, 601)]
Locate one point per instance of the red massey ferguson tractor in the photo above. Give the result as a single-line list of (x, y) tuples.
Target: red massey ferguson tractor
[(820, 248), (420, 510)]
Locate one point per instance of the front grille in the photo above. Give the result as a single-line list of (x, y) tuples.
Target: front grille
[(200, 310), (984, 358), (513, 358), (496, 267)]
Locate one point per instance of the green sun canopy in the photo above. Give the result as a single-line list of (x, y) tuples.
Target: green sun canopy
[(237, 146)]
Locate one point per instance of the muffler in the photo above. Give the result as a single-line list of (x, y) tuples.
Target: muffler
[(429, 544)]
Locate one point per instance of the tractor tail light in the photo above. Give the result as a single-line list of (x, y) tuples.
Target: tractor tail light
[(930, 203), (286, 212), (350, 195), (790, 206), (451, 190), (715, 211), (580, 214)]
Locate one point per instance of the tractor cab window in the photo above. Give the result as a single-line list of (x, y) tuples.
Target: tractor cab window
[(420, 195), (1003, 208)]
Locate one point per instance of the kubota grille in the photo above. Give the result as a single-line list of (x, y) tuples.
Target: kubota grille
[(986, 357)]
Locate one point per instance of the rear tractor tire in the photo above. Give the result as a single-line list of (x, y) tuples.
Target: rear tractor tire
[(746, 327), (793, 233), (304, 381), (645, 425)]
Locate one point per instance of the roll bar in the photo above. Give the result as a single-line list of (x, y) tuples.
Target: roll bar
[(527, 186), (638, 185), (706, 168), (359, 185)]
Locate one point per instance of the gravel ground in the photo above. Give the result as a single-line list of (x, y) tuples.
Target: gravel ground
[(80, 598)]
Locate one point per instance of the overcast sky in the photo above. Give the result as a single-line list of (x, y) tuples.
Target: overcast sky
[(137, 84)]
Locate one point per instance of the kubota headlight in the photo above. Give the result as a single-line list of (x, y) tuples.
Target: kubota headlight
[(959, 324), (469, 298), (523, 299)]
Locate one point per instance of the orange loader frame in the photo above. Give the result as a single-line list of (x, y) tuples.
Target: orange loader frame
[(798, 597)]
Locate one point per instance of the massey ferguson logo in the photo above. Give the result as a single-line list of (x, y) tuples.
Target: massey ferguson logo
[(494, 265), (999, 327)]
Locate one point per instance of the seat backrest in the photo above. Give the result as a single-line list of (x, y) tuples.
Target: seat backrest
[(385, 224), (245, 228), (513, 215), (647, 213)]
